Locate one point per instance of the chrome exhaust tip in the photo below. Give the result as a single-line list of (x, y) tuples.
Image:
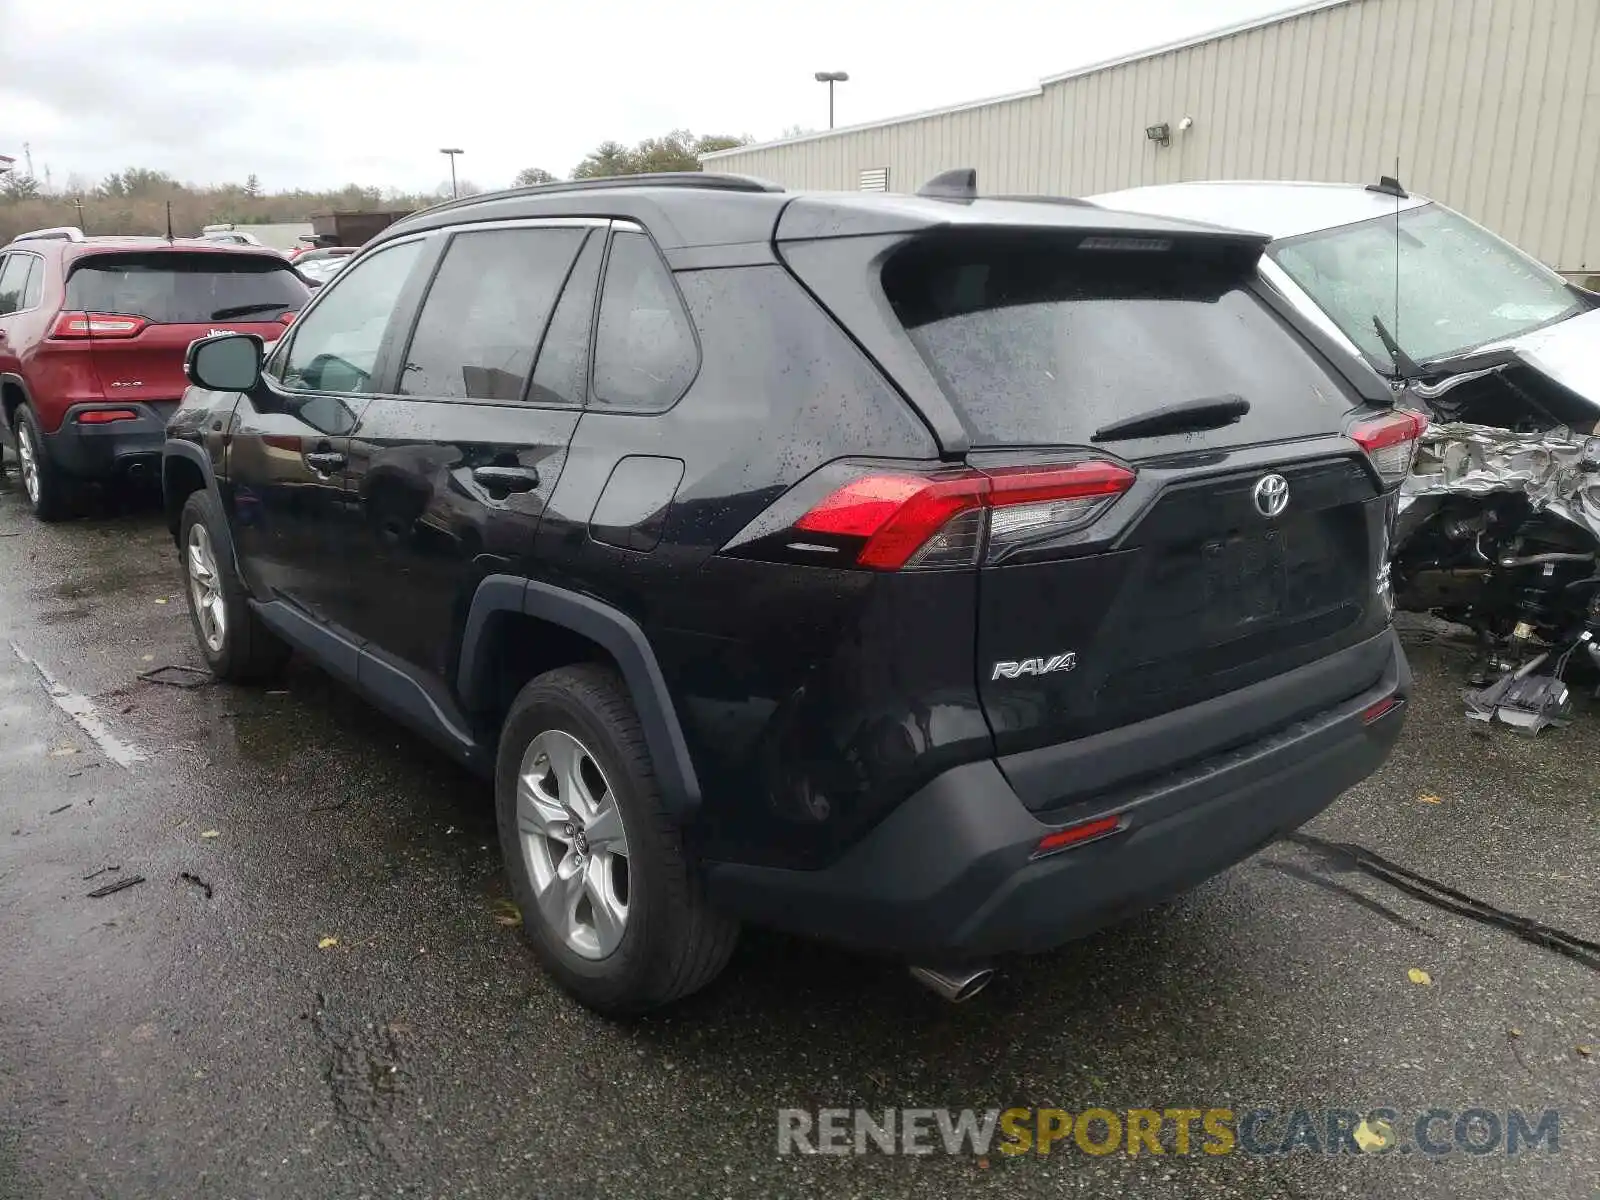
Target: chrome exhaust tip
[(955, 984)]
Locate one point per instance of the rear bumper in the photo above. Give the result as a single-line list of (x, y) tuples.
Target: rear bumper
[(114, 449), (949, 875)]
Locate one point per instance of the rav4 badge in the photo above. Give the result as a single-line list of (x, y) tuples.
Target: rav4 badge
[(1035, 666)]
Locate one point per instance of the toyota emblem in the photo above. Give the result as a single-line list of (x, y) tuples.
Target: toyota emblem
[(1271, 495)]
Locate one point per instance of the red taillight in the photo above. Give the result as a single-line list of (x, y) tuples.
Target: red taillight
[(1076, 835), (288, 318), (104, 416), (97, 325), (896, 514), (1390, 442), (937, 521)]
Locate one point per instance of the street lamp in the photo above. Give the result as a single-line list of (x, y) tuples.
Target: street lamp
[(452, 152), (830, 78)]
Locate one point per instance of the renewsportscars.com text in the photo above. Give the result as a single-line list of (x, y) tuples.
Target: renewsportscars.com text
[(1174, 1131)]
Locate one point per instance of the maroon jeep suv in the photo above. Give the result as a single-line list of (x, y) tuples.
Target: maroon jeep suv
[(93, 331)]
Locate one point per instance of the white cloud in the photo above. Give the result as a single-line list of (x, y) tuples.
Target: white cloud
[(323, 94)]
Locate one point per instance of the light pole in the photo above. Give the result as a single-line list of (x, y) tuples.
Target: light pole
[(452, 152), (830, 78)]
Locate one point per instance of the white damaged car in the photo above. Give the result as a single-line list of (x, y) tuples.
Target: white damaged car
[(1500, 528)]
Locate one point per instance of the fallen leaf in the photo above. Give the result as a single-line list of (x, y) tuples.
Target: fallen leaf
[(1586, 1051), (1430, 798), (160, 600), (506, 913), (327, 943), (1514, 1032), (1419, 976), (1373, 1135), (211, 833), (63, 751), (147, 658)]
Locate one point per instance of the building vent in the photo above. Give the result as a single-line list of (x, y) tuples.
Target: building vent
[(875, 180)]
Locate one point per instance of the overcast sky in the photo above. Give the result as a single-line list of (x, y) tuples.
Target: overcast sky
[(319, 93)]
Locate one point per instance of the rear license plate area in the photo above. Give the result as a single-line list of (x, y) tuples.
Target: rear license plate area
[(1243, 580)]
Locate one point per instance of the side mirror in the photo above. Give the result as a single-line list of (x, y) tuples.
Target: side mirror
[(226, 362)]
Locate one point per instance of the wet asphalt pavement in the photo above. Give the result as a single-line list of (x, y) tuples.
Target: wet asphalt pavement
[(202, 1033)]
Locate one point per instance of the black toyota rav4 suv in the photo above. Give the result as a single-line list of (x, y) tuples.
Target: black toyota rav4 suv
[(936, 575)]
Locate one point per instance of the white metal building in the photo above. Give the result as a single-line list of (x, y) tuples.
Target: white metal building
[(1492, 106)]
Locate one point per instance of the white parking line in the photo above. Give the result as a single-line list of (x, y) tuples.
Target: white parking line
[(82, 710)]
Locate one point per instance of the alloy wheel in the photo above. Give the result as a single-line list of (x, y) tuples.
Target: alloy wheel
[(573, 843), (205, 589), (29, 458)]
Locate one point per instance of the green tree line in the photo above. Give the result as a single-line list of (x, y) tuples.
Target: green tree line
[(134, 200), (679, 150)]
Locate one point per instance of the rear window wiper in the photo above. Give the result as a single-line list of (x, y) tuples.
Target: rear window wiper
[(1190, 416), (240, 310)]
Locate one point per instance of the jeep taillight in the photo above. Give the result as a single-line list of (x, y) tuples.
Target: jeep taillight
[(891, 521), (97, 325), (1390, 442)]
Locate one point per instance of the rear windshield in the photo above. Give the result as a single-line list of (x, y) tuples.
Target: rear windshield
[(173, 288), (1043, 345)]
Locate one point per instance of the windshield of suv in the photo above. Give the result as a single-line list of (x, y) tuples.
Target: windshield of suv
[(173, 288), (1040, 344), (1460, 286)]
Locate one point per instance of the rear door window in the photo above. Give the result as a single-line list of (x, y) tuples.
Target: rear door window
[(33, 292), (486, 312), (174, 288), (644, 349), (563, 367), (1043, 344), (14, 271)]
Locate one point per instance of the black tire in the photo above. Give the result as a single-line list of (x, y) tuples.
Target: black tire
[(54, 501), (250, 652), (673, 943)]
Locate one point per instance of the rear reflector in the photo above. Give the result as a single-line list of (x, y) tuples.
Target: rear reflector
[(1381, 709), (1076, 835), (104, 416), (97, 325), (917, 521), (1391, 442)]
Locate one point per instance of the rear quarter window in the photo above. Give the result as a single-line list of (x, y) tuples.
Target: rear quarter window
[(175, 288), (1041, 343), (645, 354)]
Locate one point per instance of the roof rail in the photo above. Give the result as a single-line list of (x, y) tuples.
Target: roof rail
[(707, 180), (961, 185), (58, 233), (1071, 201)]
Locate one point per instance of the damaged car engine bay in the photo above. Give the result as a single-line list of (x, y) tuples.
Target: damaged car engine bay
[(1499, 532)]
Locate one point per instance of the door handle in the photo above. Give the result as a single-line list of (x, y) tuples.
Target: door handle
[(325, 461), (506, 479)]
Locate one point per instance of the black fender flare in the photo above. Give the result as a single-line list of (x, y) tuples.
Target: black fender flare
[(177, 448), (609, 628), (12, 379)]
